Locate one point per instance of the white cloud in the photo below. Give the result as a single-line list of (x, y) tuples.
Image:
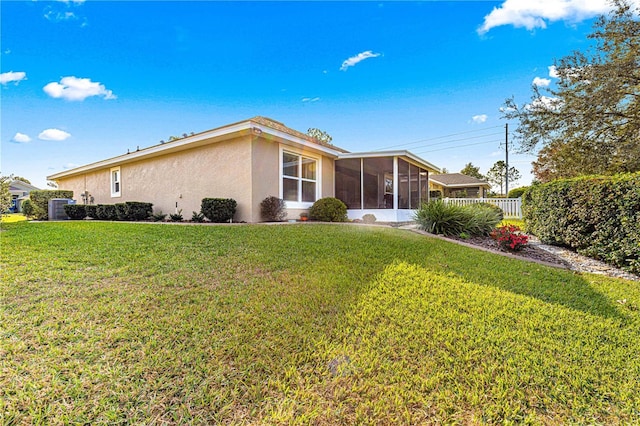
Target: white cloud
[(21, 138), (553, 71), (77, 89), (316, 99), (541, 82), (8, 77), (481, 118), (70, 166), (545, 103), (533, 14), (53, 135), (352, 61)]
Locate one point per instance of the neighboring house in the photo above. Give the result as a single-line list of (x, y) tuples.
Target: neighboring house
[(457, 185), (249, 161), (19, 191)]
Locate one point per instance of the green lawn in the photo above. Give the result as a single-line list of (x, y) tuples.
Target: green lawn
[(303, 324), (12, 217)]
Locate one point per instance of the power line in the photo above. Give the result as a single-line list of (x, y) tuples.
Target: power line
[(460, 146), (437, 137)]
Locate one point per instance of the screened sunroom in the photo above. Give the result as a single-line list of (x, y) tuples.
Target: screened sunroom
[(389, 185)]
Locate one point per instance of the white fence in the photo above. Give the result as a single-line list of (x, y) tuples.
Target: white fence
[(512, 207)]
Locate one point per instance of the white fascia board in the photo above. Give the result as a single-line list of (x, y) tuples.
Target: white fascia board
[(400, 153)]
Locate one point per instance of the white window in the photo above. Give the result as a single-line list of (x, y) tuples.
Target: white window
[(115, 182), (299, 177)]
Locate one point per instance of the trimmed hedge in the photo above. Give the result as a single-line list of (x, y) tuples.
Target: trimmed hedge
[(598, 216), (219, 210), (91, 210), (106, 212), (40, 199), (328, 210), (137, 210), (75, 211), (121, 211)]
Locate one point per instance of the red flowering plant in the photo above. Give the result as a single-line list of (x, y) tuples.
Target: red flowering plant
[(510, 237)]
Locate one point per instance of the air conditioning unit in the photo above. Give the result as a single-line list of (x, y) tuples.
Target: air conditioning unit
[(56, 208)]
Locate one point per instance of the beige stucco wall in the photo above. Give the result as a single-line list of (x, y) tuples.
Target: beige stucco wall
[(245, 168), (184, 177), (265, 173)]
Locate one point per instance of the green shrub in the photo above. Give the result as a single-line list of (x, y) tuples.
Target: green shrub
[(106, 212), (219, 210), (75, 211), (517, 192), (158, 217), (28, 208), (137, 210), (272, 209), (443, 218), (40, 198), (176, 217), (197, 217), (438, 217), (122, 211), (328, 210), (90, 210), (493, 207), (598, 216)]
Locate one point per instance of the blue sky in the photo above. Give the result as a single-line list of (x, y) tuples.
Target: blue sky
[(84, 81)]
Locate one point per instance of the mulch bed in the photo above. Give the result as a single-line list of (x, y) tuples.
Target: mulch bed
[(530, 251)]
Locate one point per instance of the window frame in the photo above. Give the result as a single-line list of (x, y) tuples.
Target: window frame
[(299, 204), (113, 182)]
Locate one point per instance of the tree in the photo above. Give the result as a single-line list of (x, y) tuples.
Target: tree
[(21, 179), (5, 195), (497, 174), (590, 122), (320, 135), (473, 171)]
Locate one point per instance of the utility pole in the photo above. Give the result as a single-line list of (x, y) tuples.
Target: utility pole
[(506, 156)]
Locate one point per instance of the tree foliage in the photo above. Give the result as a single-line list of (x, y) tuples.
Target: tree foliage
[(473, 171), (589, 122), (320, 135), (497, 175), (21, 179), (5, 195)]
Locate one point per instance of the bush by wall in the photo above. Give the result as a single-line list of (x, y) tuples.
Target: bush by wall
[(134, 210), (328, 210), (106, 212), (272, 209), (91, 210), (40, 199), (598, 216), (121, 211), (439, 217), (75, 211), (137, 210), (219, 210)]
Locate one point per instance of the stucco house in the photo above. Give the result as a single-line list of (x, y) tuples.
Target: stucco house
[(19, 191), (457, 185), (249, 161)]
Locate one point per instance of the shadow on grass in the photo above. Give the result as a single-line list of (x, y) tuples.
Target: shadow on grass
[(547, 284)]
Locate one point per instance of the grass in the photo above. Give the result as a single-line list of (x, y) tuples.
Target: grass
[(325, 324), (12, 217)]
